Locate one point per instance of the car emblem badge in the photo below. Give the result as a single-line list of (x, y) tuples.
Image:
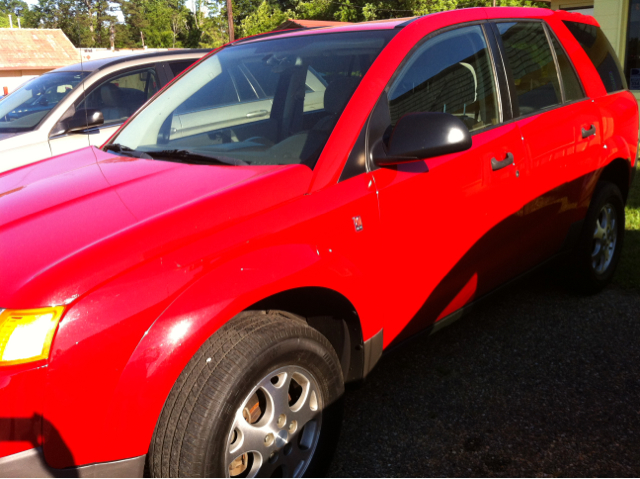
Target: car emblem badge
[(357, 223)]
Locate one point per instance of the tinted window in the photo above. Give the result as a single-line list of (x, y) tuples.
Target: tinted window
[(268, 78), (599, 50), (179, 67), (218, 92), (450, 73), (632, 66), (118, 98), (529, 57), (572, 87)]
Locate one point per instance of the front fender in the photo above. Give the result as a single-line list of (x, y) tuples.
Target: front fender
[(198, 313), (121, 391), (120, 348)]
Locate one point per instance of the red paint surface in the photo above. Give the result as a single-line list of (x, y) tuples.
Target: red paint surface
[(142, 249)]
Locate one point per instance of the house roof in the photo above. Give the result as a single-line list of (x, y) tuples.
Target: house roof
[(291, 24), (35, 49)]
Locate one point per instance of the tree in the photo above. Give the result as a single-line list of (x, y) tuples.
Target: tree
[(12, 7), (215, 32), (266, 18)]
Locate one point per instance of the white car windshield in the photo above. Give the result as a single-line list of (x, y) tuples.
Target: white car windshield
[(25, 108), (273, 101)]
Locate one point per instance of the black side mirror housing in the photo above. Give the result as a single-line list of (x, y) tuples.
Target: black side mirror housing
[(422, 135), (80, 121), (85, 119)]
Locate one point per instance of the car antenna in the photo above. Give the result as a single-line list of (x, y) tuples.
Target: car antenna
[(84, 94)]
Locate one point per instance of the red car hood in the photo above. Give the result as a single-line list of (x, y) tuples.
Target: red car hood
[(56, 212)]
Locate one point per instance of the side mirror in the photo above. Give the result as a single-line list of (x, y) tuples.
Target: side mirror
[(80, 121), (422, 135)]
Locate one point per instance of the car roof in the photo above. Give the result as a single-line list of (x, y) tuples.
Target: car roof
[(95, 65), (389, 24), (393, 23)]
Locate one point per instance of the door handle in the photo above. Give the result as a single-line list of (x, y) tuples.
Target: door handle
[(255, 114), (498, 165), (587, 133)]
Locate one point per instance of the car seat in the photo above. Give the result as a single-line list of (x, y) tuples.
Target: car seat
[(112, 103)]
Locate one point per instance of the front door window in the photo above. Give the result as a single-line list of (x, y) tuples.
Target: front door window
[(450, 73)]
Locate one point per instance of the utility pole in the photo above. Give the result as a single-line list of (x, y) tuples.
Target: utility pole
[(230, 19), (18, 12)]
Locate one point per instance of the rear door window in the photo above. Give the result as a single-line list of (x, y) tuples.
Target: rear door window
[(532, 68), (597, 47), (450, 73)]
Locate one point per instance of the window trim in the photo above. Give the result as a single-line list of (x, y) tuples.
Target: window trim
[(552, 35), (555, 62)]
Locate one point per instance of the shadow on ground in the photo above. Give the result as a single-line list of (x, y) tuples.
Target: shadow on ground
[(535, 382)]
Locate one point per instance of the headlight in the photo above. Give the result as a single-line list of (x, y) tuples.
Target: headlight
[(26, 334)]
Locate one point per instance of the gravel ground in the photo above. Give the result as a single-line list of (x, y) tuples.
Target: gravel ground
[(534, 382)]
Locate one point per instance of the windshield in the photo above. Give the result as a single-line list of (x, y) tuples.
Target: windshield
[(263, 103), (28, 105)]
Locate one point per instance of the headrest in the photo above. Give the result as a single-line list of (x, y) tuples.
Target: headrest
[(339, 92)]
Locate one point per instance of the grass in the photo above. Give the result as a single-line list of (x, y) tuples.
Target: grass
[(628, 273)]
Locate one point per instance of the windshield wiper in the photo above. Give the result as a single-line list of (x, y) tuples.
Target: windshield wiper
[(186, 156), (118, 148)]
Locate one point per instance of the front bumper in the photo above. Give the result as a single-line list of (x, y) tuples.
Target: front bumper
[(30, 463)]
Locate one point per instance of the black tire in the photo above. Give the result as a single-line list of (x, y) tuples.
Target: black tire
[(193, 431), (587, 279)]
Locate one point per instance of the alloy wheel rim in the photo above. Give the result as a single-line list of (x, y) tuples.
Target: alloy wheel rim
[(605, 238), (276, 429)]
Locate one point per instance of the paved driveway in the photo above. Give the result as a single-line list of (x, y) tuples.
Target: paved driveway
[(535, 382)]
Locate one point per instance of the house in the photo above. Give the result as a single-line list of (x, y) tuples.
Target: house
[(30, 52), (292, 24)]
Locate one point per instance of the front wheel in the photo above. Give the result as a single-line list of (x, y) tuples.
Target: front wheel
[(261, 398), (598, 252)]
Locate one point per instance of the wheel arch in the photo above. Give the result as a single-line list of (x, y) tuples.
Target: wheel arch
[(333, 315), (618, 172)]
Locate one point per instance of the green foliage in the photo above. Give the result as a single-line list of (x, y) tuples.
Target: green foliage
[(315, 9), (347, 12), (13, 7), (169, 23), (266, 18), (628, 272)]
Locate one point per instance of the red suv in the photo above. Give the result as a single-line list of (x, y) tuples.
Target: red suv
[(192, 297)]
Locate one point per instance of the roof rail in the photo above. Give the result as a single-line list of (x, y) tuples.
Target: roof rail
[(411, 20), (271, 34)]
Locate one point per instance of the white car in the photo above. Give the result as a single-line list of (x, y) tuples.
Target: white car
[(82, 104)]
